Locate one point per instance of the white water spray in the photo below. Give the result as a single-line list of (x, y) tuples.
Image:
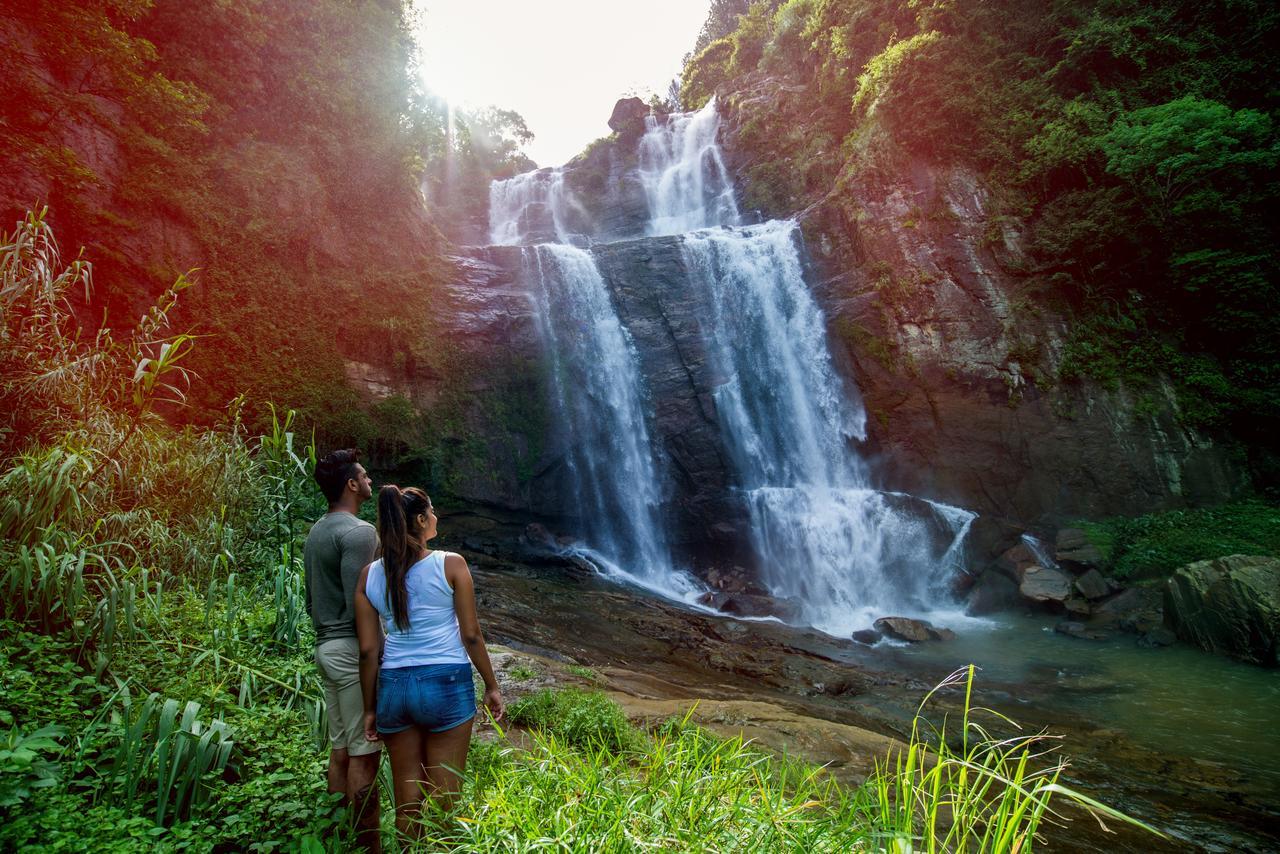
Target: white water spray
[(685, 180)]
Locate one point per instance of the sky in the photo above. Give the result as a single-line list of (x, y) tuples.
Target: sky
[(562, 64)]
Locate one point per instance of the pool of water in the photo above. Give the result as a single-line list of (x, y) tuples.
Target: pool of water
[(1173, 699)]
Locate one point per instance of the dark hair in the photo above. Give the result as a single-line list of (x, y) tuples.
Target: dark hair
[(397, 510), (333, 472)]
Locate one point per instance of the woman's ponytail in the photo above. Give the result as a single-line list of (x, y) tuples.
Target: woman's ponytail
[(396, 510), (397, 551)]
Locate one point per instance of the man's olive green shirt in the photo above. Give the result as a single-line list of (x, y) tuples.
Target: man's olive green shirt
[(338, 548)]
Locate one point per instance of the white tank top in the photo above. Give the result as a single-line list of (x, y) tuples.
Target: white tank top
[(433, 636)]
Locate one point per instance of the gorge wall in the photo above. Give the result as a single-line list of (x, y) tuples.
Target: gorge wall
[(923, 301)]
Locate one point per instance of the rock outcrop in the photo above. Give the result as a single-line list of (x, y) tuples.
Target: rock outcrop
[(1229, 606), (924, 288)]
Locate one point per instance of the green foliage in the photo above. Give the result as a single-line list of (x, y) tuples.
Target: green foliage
[(24, 766), (584, 719), (1156, 544), (686, 789), (1136, 144)]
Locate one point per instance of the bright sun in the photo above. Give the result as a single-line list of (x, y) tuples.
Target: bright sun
[(559, 63)]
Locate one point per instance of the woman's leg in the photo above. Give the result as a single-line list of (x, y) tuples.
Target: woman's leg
[(410, 777), (444, 755)]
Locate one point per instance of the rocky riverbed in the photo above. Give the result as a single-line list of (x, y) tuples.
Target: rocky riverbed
[(838, 702)]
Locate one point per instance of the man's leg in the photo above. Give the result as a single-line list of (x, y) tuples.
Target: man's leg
[(338, 765), (362, 792), (360, 784)]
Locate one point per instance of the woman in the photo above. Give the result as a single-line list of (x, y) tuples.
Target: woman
[(421, 701)]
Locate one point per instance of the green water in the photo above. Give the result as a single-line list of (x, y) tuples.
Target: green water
[(1176, 699)]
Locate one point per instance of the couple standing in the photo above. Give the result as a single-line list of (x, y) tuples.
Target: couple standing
[(395, 641)]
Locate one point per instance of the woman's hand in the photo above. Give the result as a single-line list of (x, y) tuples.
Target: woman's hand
[(371, 726), (493, 702)]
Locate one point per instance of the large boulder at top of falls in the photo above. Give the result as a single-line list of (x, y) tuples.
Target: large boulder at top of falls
[(628, 117), (1043, 584), (1230, 606)]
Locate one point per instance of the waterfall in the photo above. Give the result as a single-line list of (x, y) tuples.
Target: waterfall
[(533, 207), (683, 172), (598, 396), (848, 552), (821, 533), (791, 424)]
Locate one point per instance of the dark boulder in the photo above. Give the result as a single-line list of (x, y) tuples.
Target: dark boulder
[(1074, 551), (1093, 586), (993, 592), (1135, 609), (1229, 606), (627, 119), (867, 636)]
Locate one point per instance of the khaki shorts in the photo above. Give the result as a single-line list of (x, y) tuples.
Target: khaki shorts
[(339, 663)]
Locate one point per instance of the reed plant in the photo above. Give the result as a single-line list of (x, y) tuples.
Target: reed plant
[(679, 788)]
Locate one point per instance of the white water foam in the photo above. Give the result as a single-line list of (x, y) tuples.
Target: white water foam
[(847, 552), (683, 172), (618, 486), (533, 207)]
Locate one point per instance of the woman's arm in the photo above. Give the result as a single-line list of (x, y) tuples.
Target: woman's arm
[(464, 604), (369, 632)]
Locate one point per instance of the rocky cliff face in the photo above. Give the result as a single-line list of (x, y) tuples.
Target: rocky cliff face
[(927, 309), (958, 361)]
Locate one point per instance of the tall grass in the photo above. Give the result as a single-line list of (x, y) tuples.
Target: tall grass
[(680, 788)]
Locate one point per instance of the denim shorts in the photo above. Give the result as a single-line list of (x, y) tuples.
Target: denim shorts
[(436, 697)]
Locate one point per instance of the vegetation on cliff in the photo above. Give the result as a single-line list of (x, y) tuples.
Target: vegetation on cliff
[(1136, 145), (284, 151)]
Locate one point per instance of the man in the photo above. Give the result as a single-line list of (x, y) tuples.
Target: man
[(339, 546)]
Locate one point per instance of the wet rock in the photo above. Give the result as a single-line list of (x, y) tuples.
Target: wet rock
[(912, 631), (1158, 637), (1135, 609), (1076, 629), (1042, 584), (751, 605), (1229, 606), (869, 637), (1016, 560), (536, 534), (1092, 585), (993, 592), (1077, 607)]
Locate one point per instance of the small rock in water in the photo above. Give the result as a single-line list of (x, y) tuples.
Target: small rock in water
[(1157, 637), (1077, 607), (1075, 629), (912, 631), (867, 636)]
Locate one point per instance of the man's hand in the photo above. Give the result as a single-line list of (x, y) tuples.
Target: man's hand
[(371, 727), (493, 702)]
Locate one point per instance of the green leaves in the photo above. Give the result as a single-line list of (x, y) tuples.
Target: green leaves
[(1175, 153), (24, 766)]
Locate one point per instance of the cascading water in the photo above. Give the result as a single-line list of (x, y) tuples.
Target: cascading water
[(533, 207), (685, 180), (597, 390), (847, 552)]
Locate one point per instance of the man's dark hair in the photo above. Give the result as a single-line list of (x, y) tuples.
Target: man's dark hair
[(333, 472)]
